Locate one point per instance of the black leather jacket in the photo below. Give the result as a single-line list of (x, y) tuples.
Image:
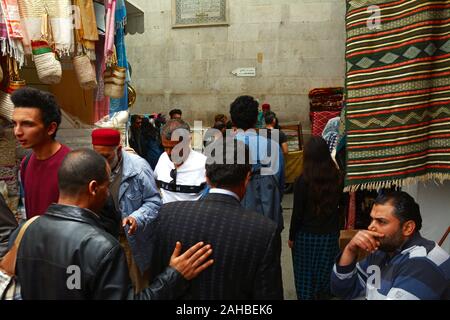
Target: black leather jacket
[(8, 224), (66, 254)]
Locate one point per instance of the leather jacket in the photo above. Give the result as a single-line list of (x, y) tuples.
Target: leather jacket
[(66, 254), (8, 224)]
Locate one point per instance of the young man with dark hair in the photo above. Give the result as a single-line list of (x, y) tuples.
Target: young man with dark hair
[(67, 255), (246, 244), (401, 266), (36, 118), (175, 114), (266, 186)]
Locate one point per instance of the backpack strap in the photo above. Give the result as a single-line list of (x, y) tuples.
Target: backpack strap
[(24, 167), (8, 263)]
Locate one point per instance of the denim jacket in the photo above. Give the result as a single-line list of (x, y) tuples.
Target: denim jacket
[(139, 198)]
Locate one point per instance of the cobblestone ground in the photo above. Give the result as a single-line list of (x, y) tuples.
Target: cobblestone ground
[(286, 257)]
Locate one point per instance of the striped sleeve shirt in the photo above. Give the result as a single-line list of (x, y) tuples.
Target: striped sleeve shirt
[(419, 270)]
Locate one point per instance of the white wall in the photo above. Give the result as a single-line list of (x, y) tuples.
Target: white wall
[(301, 43), (434, 202)]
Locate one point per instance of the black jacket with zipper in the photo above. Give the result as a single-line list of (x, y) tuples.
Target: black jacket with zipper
[(67, 254)]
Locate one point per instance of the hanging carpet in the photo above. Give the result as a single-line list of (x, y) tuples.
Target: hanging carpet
[(397, 92)]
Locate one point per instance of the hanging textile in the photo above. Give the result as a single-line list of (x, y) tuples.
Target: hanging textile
[(101, 103), (87, 33), (110, 6), (60, 14), (351, 214), (3, 32), (121, 104), (397, 93), (10, 30)]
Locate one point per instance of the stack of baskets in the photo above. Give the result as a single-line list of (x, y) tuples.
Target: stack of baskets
[(325, 103), (115, 78)]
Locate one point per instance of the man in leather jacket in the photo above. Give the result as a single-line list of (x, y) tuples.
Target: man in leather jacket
[(66, 254)]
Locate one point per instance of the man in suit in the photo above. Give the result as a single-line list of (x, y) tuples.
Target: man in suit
[(246, 244)]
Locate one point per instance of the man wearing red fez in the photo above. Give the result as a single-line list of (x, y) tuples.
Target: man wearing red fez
[(135, 198)]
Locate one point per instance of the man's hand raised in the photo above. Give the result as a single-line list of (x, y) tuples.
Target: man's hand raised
[(191, 263), (365, 240)]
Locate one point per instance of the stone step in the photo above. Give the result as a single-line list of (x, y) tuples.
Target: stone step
[(63, 132)]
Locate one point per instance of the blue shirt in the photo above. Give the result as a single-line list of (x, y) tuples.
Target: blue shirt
[(419, 270), (266, 155)]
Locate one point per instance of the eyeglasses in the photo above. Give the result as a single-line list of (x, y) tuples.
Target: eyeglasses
[(173, 175)]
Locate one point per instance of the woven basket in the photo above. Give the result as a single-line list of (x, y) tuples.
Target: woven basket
[(48, 68), (85, 72), (6, 105), (115, 82)]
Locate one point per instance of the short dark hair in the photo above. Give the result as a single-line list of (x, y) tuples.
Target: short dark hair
[(80, 167), (134, 117), (244, 112), (175, 111), (269, 116), (171, 126), (220, 117), (405, 207), (44, 101), (219, 125), (224, 175)]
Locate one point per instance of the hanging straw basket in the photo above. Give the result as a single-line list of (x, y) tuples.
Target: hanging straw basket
[(85, 72), (48, 67), (115, 82), (6, 105)]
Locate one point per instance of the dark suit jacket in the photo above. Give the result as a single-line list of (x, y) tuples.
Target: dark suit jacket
[(246, 248)]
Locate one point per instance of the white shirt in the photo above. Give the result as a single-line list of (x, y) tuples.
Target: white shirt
[(190, 173), (226, 192)]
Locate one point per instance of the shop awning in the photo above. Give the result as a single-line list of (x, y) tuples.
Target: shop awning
[(135, 18)]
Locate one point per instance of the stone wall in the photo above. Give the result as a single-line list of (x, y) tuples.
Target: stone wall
[(295, 46)]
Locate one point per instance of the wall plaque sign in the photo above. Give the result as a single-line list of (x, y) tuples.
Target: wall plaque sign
[(197, 13), (244, 72)]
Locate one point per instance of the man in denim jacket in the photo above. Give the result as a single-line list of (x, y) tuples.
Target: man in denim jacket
[(135, 197)]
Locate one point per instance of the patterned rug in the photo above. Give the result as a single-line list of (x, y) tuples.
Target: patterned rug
[(397, 92)]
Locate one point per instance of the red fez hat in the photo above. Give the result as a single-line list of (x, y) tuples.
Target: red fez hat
[(265, 107), (105, 137)]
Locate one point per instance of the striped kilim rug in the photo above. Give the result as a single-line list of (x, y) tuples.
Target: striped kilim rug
[(397, 92)]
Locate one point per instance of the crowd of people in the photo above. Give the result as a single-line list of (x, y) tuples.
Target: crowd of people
[(163, 221)]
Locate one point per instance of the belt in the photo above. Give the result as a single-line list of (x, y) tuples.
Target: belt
[(180, 188)]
